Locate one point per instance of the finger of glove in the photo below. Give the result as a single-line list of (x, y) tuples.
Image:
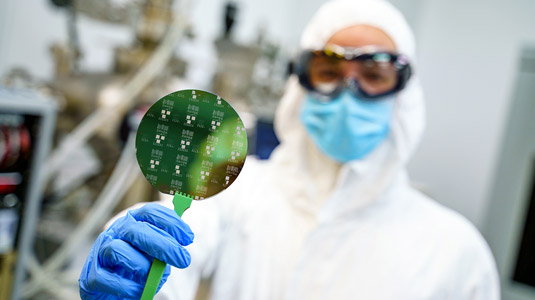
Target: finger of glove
[(107, 282), (88, 270), (97, 282), (124, 259), (153, 241), (166, 219)]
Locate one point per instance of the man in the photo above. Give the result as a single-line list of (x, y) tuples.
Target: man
[(331, 214)]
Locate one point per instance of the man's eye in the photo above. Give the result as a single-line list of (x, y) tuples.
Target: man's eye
[(328, 74), (372, 76)]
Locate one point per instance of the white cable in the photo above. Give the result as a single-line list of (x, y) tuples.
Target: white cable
[(51, 283), (121, 179)]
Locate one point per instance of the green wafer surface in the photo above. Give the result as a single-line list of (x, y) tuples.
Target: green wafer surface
[(191, 142)]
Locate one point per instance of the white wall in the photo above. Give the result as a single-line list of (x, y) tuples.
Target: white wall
[(468, 55)]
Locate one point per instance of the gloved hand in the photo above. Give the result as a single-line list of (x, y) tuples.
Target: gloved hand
[(120, 259)]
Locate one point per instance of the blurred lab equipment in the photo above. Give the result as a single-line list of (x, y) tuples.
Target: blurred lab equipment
[(91, 107), (253, 78), (510, 229), (26, 128)]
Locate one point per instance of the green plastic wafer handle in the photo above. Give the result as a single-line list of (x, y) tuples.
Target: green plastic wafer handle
[(180, 203)]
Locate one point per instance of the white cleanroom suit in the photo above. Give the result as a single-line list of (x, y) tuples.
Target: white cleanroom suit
[(300, 226)]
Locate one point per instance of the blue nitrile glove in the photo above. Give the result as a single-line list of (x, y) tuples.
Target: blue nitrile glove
[(120, 259)]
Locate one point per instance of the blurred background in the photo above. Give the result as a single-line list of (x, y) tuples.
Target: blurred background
[(77, 76)]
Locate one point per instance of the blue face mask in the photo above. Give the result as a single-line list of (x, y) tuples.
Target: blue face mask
[(347, 128)]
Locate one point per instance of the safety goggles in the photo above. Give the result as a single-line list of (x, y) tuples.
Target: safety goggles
[(368, 72)]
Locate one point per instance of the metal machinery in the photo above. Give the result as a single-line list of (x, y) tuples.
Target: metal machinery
[(26, 127), (510, 228), (252, 77), (92, 109)]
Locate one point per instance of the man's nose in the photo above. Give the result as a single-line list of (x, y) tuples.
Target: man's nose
[(351, 70)]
